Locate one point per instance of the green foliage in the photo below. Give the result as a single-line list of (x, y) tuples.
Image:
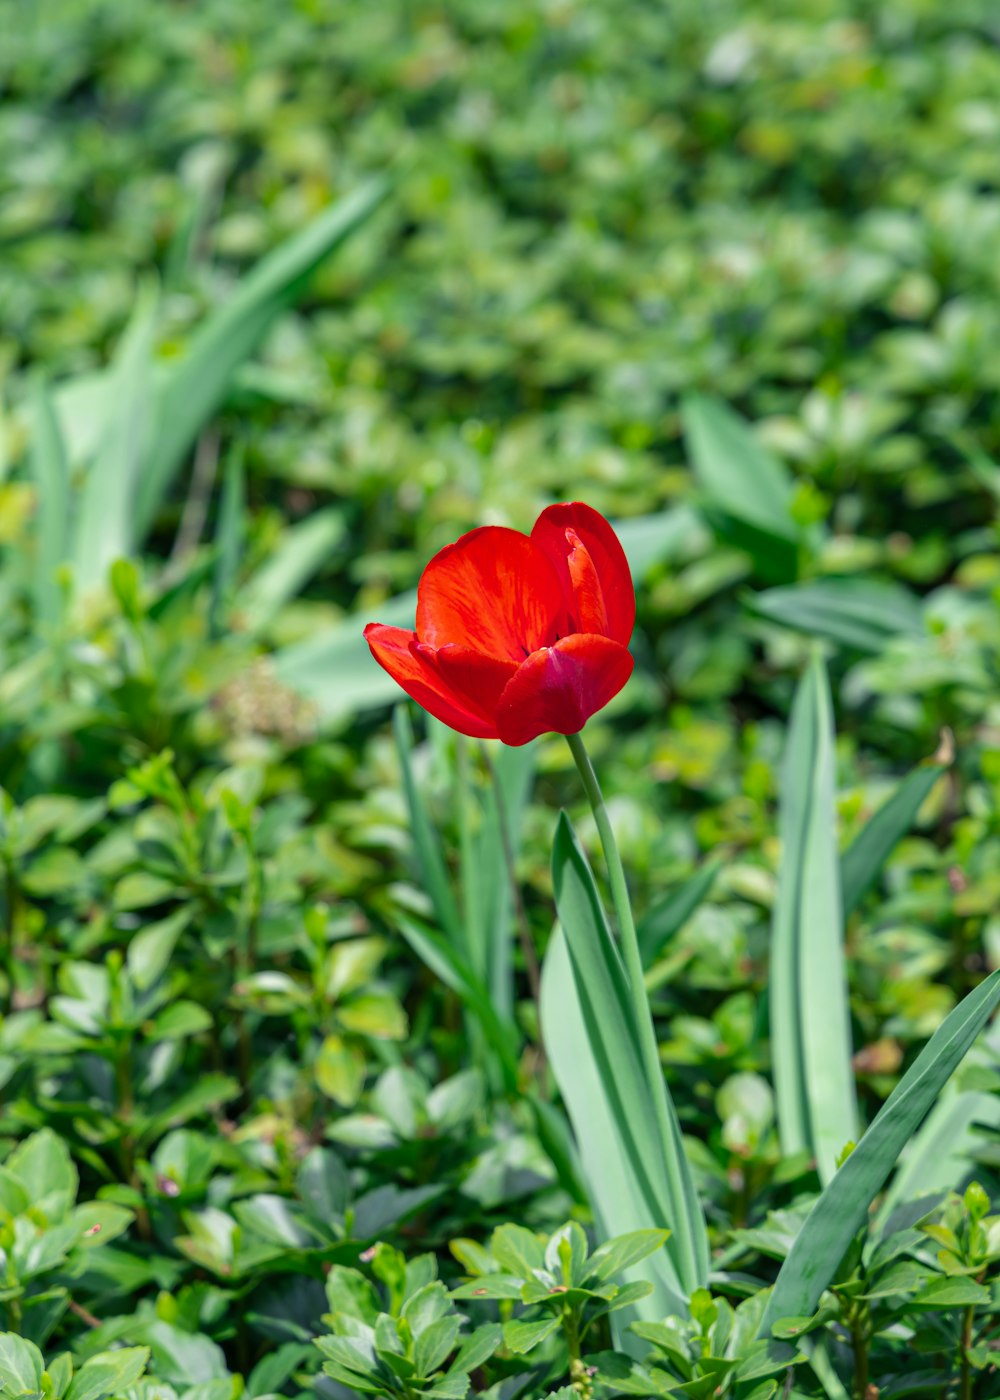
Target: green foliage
[(291, 297)]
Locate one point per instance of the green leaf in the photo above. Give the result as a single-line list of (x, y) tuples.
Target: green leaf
[(668, 916), (637, 1181), (108, 1373), (843, 1207), (196, 388), (954, 1292), (746, 490), (431, 869), (858, 613), (229, 534), (42, 1164), (151, 949), (861, 862), (340, 1070), (810, 1018), (105, 521), (50, 469), (623, 1251), (302, 550), (522, 1337), (941, 1154), (21, 1366)]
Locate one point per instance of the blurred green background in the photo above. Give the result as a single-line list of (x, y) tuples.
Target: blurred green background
[(602, 223)]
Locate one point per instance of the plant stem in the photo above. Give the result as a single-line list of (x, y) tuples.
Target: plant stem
[(965, 1385), (642, 1014), (859, 1345)]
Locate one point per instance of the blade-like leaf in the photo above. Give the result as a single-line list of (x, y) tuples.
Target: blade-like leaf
[(302, 550), (229, 535), (50, 469), (430, 864), (747, 491), (810, 1020), (669, 915), (105, 521), (861, 614), (861, 862), (657, 1178), (197, 387), (843, 1207)]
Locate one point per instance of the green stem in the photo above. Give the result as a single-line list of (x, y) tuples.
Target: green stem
[(643, 1016), (965, 1387)]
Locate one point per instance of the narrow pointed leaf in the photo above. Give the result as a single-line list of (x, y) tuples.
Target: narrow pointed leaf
[(871, 848), (195, 390), (843, 1207)]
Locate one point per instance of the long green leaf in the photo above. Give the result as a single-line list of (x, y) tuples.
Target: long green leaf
[(430, 863), (50, 469), (105, 519), (669, 915), (861, 862), (810, 1021), (862, 614), (843, 1207), (197, 387), (447, 964), (302, 550), (229, 535), (660, 1178), (746, 490), (485, 879), (616, 1199)]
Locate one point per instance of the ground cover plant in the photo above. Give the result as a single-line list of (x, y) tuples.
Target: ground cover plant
[(344, 1053)]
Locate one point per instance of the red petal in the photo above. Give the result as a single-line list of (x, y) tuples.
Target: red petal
[(561, 531), (396, 651), (558, 688), (492, 591), (478, 679)]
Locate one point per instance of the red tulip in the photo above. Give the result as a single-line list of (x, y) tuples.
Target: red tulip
[(518, 635)]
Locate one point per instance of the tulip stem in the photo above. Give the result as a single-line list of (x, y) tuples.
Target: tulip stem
[(643, 1016)]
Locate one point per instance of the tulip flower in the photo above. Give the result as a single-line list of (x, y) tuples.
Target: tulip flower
[(518, 635)]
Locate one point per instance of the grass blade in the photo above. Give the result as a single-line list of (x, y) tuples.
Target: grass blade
[(660, 1180), (229, 535), (747, 491), (669, 915), (303, 550), (104, 529), (843, 1207), (861, 614), (810, 1019), (616, 1198), (197, 387), (430, 862), (861, 862), (50, 468)]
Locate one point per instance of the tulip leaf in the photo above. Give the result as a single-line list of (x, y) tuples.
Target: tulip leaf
[(860, 614), (809, 1014), (196, 389), (746, 492), (861, 862), (637, 1180), (669, 915), (50, 468), (843, 1207)]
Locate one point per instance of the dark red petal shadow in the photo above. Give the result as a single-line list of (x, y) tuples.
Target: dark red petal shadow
[(558, 688), (396, 650)]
